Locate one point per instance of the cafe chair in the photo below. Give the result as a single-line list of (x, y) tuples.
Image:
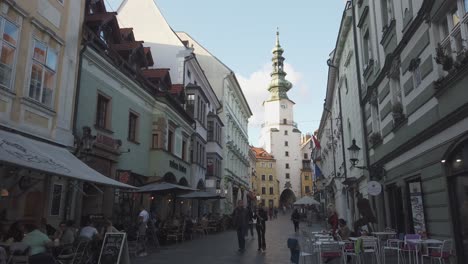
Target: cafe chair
[(441, 253), (392, 245), (66, 254), (176, 234), (307, 249), (410, 248), (19, 257), (349, 250), (370, 245), (330, 249)]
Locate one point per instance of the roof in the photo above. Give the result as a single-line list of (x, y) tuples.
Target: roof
[(102, 17), (177, 88), (127, 46), (261, 153), (125, 32), (156, 73)]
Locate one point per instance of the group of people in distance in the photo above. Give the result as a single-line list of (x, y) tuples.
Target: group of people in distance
[(244, 219)]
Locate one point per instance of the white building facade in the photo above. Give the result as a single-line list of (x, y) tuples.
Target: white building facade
[(341, 123), (280, 135), (234, 115)]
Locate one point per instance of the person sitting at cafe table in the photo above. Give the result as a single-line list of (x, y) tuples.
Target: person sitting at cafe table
[(89, 232), (108, 228), (15, 230), (46, 228), (343, 229), (65, 234), (37, 241)]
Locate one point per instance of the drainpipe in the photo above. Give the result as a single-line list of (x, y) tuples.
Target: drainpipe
[(358, 71), (71, 195)]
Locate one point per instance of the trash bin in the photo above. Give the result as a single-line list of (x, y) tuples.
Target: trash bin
[(293, 245)]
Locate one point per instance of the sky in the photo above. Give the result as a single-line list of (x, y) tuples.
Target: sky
[(241, 34)]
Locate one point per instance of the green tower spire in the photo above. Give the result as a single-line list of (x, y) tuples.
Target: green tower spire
[(279, 86)]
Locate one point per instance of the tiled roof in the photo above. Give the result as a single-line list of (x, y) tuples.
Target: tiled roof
[(127, 46), (125, 32), (148, 55), (260, 153), (156, 73), (177, 88)]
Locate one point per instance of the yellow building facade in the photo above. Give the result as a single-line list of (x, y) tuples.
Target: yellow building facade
[(307, 174), (265, 181)]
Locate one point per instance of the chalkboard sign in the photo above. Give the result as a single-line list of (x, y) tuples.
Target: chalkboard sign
[(112, 248)]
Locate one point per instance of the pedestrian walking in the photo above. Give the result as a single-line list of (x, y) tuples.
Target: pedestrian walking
[(275, 212), (295, 217), (240, 221), (270, 213), (143, 218), (251, 223), (261, 217)]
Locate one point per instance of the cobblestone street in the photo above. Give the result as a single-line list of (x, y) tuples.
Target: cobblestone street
[(222, 247)]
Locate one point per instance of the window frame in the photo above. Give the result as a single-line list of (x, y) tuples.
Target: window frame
[(155, 143), (286, 153), (287, 175), (15, 46), (136, 116), (45, 68), (263, 177), (52, 196), (108, 112)]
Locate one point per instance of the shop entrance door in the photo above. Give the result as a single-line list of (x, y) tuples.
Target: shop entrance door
[(458, 191)]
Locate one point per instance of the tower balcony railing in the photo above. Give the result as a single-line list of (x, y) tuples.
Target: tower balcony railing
[(291, 123)]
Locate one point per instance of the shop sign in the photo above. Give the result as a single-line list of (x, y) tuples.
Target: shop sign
[(374, 188), (177, 166), (417, 208), (124, 176)]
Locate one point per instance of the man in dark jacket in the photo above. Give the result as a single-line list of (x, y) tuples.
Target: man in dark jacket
[(240, 221), (261, 217)]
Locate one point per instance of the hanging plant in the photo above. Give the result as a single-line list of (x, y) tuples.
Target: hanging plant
[(375, 138), (443, 58)]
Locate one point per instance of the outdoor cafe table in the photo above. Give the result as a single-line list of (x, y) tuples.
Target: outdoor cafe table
[(421, 242), (380, 235)]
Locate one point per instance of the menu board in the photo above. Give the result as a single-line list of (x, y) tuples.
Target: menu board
[(112, 248), (417, 208)]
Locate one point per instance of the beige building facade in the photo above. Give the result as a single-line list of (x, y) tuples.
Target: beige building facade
[(266, 183)]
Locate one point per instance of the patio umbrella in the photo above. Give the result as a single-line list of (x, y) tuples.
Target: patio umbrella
[(306, 200), (162, 187), (201, 195)]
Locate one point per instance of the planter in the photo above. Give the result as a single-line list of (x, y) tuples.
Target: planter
[(443, 58), (375, 139)]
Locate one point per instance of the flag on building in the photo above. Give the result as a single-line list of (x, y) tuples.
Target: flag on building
[(317, 172), (316, 142)]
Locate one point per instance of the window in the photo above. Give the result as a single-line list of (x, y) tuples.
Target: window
[(465, 4), (263, 177), (102, 112), (367, 54), (263, 190), (283, 106), (285, 143), (286, 153), (190, 104), (307, 189), (210, 135), (287, 175), (270, 177), (9, 37), (285, 132), (44, 65), (189, 74), (271, 191), (285, 121), (417, 76), (287, 165), (56, 199), (306, 156), (132, 126), (170, 138), (270, 164), (184, 149), (263, 202), (306, 177), (155, 141), (263, 164)]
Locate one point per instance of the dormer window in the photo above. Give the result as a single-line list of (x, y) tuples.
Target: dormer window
[(102, 36)]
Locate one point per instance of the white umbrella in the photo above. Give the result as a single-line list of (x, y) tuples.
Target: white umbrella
[(306, 200)]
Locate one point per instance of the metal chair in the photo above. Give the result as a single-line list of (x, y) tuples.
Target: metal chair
[(392, 245), (371, 245), (410, 248), (307, 248), (330, 249), (441, 253), (349, 251)]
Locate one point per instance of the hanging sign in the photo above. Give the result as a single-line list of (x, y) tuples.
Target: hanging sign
[(374, 188), (417, 208)]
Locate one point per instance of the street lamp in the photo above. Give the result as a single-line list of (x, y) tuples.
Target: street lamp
[(353, 153), (258, 197)]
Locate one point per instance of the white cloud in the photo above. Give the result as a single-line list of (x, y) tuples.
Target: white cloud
[(255, 88)]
